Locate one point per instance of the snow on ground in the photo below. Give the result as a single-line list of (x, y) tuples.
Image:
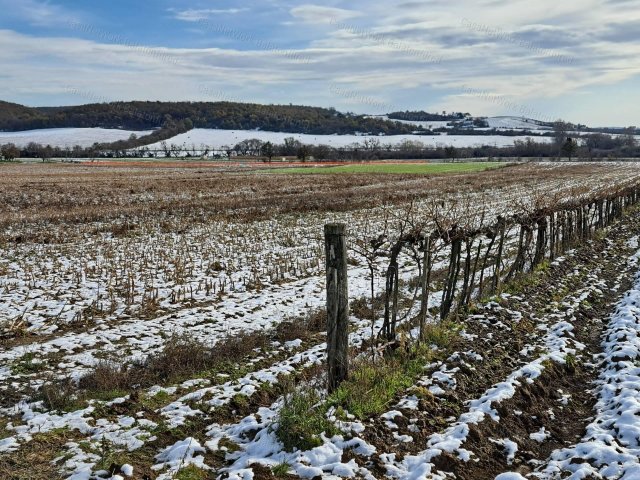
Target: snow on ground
[(501, 123), (265, 449), (33, 271), (611, 446), (217, 139), (213, 279), (68, 137), (556, 344), (515, 123)]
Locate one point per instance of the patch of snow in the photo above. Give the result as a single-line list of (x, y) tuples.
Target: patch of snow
[(540, 436), (510, 476), (179, 455), (510, 448)]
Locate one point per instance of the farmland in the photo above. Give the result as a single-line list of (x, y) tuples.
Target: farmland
[(398, 168), (168, 323)]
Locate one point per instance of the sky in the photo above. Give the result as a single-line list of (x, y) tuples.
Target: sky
[(548, 59)]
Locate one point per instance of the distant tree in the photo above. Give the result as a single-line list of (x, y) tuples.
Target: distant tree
[(450, 152), (46, 153), (93, 150), (187, 115), (560, 131), (600, 141), (371, 144), (9, 151), (175, 150), (165, 148), (291, 146), (77, 151), (267, 150), (168, 121), (303, 152), (629, 136), (569, 148), (411, 145), (250, 146), (32, 150), (321, 152)]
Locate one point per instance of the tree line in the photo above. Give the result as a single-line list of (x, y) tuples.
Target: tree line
[(589, 147)]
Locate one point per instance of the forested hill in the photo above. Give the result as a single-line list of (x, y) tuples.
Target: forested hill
[(12, 114), (224, 115)]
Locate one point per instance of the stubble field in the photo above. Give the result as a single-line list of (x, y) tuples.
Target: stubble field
[(168, 323)]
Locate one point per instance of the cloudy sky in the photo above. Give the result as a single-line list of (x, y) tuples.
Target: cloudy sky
[(548, 59)]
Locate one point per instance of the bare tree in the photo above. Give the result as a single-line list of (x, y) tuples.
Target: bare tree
[(560, 131), (9, 151)]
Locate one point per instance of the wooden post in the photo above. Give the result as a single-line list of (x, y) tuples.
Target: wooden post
[(337, 304), (424, 283)]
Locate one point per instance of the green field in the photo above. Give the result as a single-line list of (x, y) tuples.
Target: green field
[(400, 168)]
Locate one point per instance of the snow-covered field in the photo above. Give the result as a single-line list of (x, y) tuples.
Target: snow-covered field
[(222, 278), (218, 139), (68, 137), (515, 123)]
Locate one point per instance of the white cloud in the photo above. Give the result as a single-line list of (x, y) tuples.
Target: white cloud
[(196, 15), (319, 14)]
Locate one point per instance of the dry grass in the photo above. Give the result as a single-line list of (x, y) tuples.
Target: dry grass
[(34, 460), (292, 329), (181, 358)]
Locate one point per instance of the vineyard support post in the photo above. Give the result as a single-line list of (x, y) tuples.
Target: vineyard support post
[(337, 304), (424, 281)]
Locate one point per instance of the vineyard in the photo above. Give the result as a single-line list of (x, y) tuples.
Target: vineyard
[(170, 323)]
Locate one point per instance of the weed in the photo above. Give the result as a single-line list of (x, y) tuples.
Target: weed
[(27, 364), (4, 433), (372, 386), (440, 334), (281, 469), (105, 377), (302, 420), (601, 234), (571, 363), (62, 395), (153, 402), (191, 472), (240, 401), (542, 267)]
